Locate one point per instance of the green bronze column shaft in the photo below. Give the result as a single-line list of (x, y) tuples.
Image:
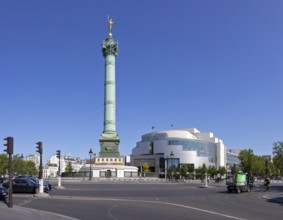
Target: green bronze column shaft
[(109, 87), (109, 139)]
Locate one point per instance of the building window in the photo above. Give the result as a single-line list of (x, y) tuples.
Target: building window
[(151, 147)]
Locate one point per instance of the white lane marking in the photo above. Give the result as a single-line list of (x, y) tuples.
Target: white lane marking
[(146, 201), (110, 210)]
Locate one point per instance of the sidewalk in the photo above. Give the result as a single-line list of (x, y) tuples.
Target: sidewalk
[(18, 212)]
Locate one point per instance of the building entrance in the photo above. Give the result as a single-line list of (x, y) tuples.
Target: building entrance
[(108, 173)]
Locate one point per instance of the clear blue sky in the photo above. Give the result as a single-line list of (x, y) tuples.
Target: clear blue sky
[(213, 65)]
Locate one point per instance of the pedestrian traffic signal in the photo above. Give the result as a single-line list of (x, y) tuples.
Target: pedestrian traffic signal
[(9, 144), (39, 147), (58, 154)]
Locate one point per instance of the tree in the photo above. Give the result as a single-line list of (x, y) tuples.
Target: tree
[(191, 168), (212, 170), (69, 168), (277, 151), (30, 168), (234, 169), (3, 164), (171, 171), (247, 159), (18, 166), (145, 167), (203, 171), (184, 169), (222, 171)]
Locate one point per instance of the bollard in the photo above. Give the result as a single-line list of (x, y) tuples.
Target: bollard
[(206, 180), (59, 181)]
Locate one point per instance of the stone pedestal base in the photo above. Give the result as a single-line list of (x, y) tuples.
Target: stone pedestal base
[(109, 143)]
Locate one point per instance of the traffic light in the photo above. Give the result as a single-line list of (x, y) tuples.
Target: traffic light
[(9, 144), (39, 147), (58, 154)]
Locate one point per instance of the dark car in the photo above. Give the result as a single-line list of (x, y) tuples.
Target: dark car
[(3, 193), (23, 185), (46, 185), (2, 178)]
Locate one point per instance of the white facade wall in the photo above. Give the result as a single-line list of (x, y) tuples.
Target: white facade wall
[(160, 146), (221, 159), (76, 165)]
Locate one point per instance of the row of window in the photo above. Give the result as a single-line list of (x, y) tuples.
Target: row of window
[(203, 148), (107, 159)]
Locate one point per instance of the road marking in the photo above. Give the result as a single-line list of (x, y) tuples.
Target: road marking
[(197, 209), (110, 210), (143, 201)]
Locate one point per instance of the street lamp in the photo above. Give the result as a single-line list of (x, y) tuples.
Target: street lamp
[(266, 168), (90, 155)]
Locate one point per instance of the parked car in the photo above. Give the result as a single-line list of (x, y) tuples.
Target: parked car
[(47, 186), (3, 193), (23, 185), (2, 178), (50, 186)]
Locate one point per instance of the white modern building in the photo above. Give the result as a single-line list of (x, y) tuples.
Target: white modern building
[(187, 146), (34, 158), (52, 168)]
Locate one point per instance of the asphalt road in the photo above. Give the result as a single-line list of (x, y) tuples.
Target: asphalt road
[(164, 201)]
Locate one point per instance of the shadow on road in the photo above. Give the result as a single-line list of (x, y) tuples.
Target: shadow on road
[(278, 200)]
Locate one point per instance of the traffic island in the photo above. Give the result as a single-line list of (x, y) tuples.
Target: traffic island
[(45, 195), (59, 187)]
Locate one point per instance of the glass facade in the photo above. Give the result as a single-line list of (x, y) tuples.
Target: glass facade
[(173, 162), (203, 148), (232, 160)]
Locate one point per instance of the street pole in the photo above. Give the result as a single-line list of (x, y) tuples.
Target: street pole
[(40, 151), (40, 175), (266, 168), (90, 155), (10, 182), (10, 149), (205, 179), (58, 155), (59, 173), (165, 169)]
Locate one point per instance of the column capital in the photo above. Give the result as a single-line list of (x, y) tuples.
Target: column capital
[(109, 47)]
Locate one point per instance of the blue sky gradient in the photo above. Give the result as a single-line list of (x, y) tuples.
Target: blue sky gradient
[(213, 65)]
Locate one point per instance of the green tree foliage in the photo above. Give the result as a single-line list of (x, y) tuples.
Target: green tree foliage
[(184, 169), (52, 164), (201, 171), (212, 171), (255, 165), (171, 171), (69, 168), (191, 168), (204, 169), (19, 166), (30, 168), (247, 159), (3, 164), (145, 167), (222, 171), (277, 151), (234, 169)]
